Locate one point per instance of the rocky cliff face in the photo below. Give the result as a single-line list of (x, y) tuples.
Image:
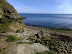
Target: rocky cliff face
[(7, 10), (17, 27)]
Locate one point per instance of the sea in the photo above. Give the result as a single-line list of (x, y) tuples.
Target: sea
[(48, 20)]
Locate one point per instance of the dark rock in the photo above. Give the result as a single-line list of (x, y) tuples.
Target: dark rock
[(39, 35), (35, 41)]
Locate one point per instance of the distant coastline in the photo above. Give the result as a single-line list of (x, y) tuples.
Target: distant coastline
[(47, 13), (52, 28)]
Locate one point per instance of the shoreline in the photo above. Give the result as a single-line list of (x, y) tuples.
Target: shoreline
[(35, 29), (53, 28)]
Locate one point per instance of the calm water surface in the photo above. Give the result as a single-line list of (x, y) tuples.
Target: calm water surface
[(48, 20)]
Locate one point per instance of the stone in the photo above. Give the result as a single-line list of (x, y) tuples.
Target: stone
[(17, 27), (0, 11), (26, 49), (0, 16), (39, 35)]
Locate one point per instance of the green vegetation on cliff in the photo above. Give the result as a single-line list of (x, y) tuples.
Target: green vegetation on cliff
[(4, 24), (1, 1)]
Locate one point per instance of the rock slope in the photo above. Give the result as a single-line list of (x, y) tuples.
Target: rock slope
[(11, 17), (57, 42), (7, 10)]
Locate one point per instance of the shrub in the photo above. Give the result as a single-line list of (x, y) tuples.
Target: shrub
[(4, 24), (3, 28), (12, 38), (2, 53), (46, 52), (16, 20), (0, 50), (1, 1), (5, 20)]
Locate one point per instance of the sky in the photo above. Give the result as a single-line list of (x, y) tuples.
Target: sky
[(42, 6)]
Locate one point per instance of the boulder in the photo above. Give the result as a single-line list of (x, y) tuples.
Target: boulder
[(26, 49), (17, 27), (39, 35)]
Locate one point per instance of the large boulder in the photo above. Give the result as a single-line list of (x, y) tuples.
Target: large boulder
[(17, 27), (26, 49)]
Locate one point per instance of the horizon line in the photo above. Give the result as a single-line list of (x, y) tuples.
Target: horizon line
[(46, 13)]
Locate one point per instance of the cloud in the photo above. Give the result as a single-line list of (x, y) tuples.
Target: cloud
[(65, 6), (49, 6), (28, 9)]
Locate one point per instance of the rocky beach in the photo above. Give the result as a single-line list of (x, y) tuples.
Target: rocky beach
[(57, 40)]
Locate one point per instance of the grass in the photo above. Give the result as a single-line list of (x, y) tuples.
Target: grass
[(0, 38), (3, 4), (30, 39), (4, 24), (1, 1), (16, 20), (0, 49), (12, 38), (8, 20), (2, 53), (3, 28), (5, 20), (46, 52)]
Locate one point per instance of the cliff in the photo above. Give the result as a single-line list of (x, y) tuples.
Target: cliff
[(7, 10), (10, 18)]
